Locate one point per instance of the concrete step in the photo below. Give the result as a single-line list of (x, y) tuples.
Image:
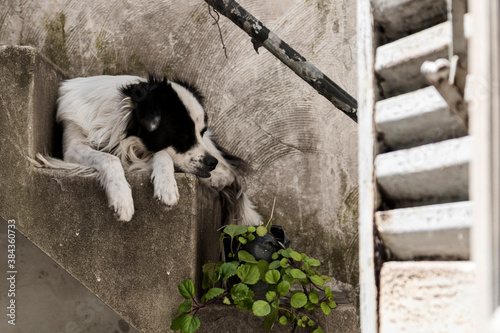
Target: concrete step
[(222, 318), (397, 64), (428, 297), (399, 18), (49, 299), (132, 267), (416, 118), (431, 173), (438, 231)]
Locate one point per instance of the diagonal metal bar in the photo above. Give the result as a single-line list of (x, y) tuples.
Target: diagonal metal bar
[(262, 36)]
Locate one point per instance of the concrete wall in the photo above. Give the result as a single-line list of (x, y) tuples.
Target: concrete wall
[(302, 149), (49, 299)]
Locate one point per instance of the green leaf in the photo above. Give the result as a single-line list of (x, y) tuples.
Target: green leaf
[(270, 296), (245, 304), (250, 237), (248, 273), (317, 280), (261, 231), (276, 303), (274, 264), (226, 300), (246, 257), (326, 309), (275, 255), (283, 320), (313, 262), (283, 287), (298, 274), (186, 306), (228, 269), (309, 306), (235, 230), (284, 253), (177, 322), (271, 319), (295, 255), (311, 323), (263, 267), (190, 324), (332, 304), (242, 296), (251, 229), (318, 330), (328, 292), (298, 299), (326, 278), (242, 240), (284, 262), (212, 293), (186, 289), (314, 297), (239, 291), (210, 274), (288, 279), (273, 276), (261, 308)]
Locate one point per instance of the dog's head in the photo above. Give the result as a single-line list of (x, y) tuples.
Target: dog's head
[(169, 115)]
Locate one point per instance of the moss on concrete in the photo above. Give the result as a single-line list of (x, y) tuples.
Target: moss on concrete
[(112, 64), (55, 41), (200, 16)]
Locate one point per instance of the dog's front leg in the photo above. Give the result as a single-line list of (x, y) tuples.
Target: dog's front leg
[(111, 176), (162, 176)]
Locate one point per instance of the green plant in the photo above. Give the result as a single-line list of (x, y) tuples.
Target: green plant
[(295, 286)]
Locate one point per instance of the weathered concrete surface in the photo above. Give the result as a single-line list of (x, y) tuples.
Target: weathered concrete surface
[(428, 297), (49, 299), (437, 231), (436, 172), (133, 267), (222, 318), (399, 18), (416, 118), (398, 63), (303, 150)]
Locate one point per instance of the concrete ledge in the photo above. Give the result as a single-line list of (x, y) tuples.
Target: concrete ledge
[(397, 64), (133, 267), (426, 297), (431, 173), (432, 231), (399, 18), (416, 118), (221, 318)]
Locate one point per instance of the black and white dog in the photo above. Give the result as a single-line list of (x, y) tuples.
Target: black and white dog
[(113, 124)]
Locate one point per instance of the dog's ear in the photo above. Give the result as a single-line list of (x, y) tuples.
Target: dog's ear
[(142, 95)]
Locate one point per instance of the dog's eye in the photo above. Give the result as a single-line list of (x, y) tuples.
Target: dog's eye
[(203, 131)]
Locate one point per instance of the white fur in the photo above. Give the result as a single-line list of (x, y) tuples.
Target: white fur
[(95, 115)]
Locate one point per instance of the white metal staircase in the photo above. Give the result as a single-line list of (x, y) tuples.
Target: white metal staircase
[(415, 154)]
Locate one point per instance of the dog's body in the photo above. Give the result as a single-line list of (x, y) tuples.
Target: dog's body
[(114, 124)]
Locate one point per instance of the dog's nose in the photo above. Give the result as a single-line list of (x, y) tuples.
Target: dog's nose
[(210, 161)]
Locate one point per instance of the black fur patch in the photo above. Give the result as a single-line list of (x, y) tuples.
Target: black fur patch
[(160, 118)]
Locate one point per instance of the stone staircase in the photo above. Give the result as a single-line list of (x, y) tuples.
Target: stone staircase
[(414, 160), (134, 267)]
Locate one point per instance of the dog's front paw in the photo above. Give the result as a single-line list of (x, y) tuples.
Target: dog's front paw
[(122, 203), (165, 191)]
